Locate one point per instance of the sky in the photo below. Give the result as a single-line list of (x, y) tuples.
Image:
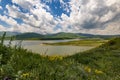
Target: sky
[(52, 16)]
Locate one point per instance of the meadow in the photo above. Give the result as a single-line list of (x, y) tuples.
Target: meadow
[(100, 63), (82, 42)]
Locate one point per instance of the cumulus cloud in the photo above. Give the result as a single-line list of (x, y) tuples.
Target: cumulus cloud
[(14, 26), (0, 7), (2, 28), (90, 15), (87, 16), (8, 20), (35, 17)]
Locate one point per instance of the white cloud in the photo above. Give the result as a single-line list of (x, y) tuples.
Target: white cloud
[(111, 2), (14, 11), (2, 28), (0, 7), (26, 4), (38, 17), (8, 20), (87, 16), (14, 26), (91, 16), (111, 29), (107, 16)]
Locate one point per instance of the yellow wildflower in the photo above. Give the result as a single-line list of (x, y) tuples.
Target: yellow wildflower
[(51, 58), (25, 74), (88, 69), (60, 57), (98, 72)]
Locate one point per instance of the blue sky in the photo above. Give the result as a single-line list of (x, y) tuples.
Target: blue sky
[(53, 16), (56, 9)]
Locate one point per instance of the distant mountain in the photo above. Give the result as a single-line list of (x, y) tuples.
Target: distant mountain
[(97, 36), (36, 36), (85, 34), (27, 36), (62, 35), (8, 33), (57, 36)]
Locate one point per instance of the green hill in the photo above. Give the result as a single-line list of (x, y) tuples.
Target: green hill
[(101, 63), (105, 57), (29, 36), (62, 35), (57, 36)]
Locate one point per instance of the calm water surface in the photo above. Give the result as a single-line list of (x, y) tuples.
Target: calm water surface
[(40, 48)]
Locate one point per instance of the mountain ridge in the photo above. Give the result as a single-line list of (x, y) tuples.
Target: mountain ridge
[(55, 36)]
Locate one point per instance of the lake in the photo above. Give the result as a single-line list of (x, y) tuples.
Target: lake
[(38, 46)]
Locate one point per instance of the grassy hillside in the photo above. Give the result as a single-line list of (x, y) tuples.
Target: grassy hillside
[(63, 35), (101, 63), (58, 36), (36, 36), (105, 57), (84, 42), (29, 36)]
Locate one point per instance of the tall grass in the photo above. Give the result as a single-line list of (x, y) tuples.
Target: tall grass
[(2, 39)]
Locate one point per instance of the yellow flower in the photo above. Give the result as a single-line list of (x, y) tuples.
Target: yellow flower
[(25, 74), (60, 58), (51, 58), (98, 72), (88, 69)]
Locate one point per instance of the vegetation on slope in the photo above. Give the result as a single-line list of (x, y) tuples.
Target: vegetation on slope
[(101, 63), (59, 36), (83, 42), (105, 57), (63, 35), (36, 36), (56, 36), (29, 36)]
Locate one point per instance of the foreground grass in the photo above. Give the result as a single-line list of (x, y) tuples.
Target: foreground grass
[(84, 42), (105, 57), (101, 63)]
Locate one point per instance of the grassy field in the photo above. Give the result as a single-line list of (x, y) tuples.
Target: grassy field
[(101, 63), (84, 42)]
